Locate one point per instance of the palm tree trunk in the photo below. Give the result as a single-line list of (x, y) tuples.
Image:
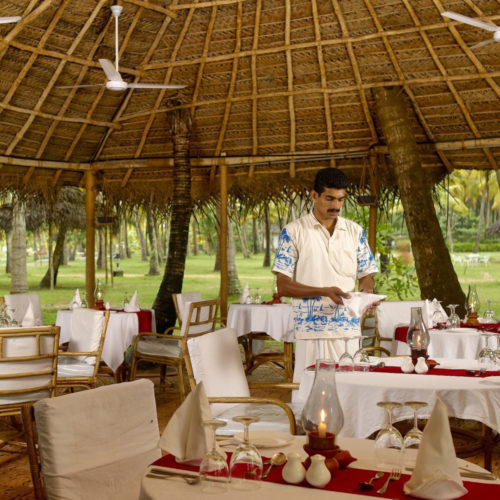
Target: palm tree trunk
[(126, 245), (101, 252), (449, 229), (182, 208), (56, 257), (18, 274), (140, 236), (267, 235), (435, 272), (484, 198), (154, 266), (194, 230), (240, 229), (255, 236)]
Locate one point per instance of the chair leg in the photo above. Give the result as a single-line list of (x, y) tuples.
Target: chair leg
[(180, 382), (288, 360), (133, 368), (163, 375), (28, 424)]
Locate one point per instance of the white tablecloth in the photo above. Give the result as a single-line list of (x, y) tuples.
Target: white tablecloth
[(122, 328), (274, 319), (460, 343), (470, 398), (362, 449)]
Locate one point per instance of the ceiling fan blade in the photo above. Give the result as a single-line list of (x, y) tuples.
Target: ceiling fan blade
[(155, 86), (110, 70), (470, 20), (481, 44), (12, 19), (80, 86)]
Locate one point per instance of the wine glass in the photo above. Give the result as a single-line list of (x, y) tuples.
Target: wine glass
[(346, 362), (361, 359), (489, 314), (214, 471), (246, 462), (438, 316), (11, 317), (413, 437), (487, 357), (453, 318), (389, 438)]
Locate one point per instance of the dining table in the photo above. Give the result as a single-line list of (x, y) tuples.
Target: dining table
[(122, 328), (345, 484), (463, 342)]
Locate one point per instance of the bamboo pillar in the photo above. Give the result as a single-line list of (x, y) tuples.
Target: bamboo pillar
[(372, 220), (223, 239), (90, 237)]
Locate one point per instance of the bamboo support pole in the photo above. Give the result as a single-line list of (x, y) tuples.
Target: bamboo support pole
[(223, 239), (372, 221), (90, 187)]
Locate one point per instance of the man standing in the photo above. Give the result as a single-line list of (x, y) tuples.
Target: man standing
[(318, 260)]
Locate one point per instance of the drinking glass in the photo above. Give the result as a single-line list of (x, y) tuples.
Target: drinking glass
[(438, 316), (389, 438), (489, 314), (453, 318), (413, 437), (246, 462), (361, 359), (11, 317), (125, 300), (487, 356), (346, 362), (85, 304), (214, 471)]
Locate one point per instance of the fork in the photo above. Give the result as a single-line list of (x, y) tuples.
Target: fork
[(393, 476)]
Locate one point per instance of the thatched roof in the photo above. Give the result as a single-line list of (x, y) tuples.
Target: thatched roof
[(279, 87)]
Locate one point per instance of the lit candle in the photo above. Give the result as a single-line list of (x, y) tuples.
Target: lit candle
[(419, 341), (322, 425)]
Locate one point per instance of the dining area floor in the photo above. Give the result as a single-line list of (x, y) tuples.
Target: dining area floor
[(15, 479)]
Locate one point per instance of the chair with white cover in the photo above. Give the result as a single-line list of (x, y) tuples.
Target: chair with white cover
[(169, 349), (96, 444), (181, 300), (391, 314), (79, 365), (28, 367), (19, 303), (215, 360)]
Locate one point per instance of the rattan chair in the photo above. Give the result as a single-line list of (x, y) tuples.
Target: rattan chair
[(79, 365), (169, 349), (28, 367), (215, 360)]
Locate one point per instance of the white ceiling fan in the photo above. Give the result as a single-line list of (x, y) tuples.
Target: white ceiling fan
[(479, 24), (12, 19), (114, 79)]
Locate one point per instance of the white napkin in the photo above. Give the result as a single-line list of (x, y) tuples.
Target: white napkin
[(76, 301), (185, 436), (359, 302), (245, 295), (436, 475), (29, 317), (133, 305)]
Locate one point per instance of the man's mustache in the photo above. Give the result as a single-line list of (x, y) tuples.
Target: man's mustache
[(333, 211)]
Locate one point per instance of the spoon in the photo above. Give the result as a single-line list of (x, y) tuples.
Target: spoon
[(277, 459), (368, 485)]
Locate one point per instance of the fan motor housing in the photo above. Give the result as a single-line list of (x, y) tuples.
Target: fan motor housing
[(116, 85)]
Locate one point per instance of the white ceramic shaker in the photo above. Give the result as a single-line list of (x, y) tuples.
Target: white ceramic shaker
[(293, 472), (421, 366), (407, 365), (318, 475)]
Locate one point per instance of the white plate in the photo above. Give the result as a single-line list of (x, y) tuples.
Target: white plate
[(462, 330), (266, 439)]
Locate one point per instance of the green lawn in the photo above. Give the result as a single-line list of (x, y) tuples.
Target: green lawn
[(199, 275)]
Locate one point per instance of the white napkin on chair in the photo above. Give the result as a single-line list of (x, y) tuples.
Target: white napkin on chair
[(359, 302), (436, 475), (76, 301), (133, 305), (245, 295), (185, 436), (29, 317)]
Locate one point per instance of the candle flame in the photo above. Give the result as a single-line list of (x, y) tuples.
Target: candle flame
[(322, 415)]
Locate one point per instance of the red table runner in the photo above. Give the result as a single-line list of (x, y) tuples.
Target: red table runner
[(441, 371), (346, 481), (145, 317), (401, 331)]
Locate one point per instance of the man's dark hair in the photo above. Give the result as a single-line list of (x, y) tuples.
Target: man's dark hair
[(330, 178)]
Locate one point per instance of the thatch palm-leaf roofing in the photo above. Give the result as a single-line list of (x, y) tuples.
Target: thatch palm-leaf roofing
[(277, 88)]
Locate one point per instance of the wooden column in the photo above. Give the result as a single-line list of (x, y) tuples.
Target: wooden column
[(372, 221), (90, 236), (223, 239)]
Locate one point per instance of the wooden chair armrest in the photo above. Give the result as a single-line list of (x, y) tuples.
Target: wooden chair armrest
[(278, 385), (78, 353), (251, 399)]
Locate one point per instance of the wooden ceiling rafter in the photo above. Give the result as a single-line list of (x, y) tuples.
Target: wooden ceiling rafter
[(150, 6), (321, 64)]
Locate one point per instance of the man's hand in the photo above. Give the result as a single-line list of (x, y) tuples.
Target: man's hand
[(335, 294)]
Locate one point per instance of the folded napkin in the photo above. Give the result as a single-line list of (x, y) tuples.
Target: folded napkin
[(436, 475), (359, 302), (29, 319), (133, 305), (245, 295), (76, 301), (430, 307), (185, 436)]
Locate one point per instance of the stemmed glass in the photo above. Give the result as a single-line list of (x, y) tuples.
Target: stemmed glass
[(438, 316), (11, 316), (489, 314), (361, 359), (487, 356), (346, 362), (246, 462), (388, 437), (413, 437), (214, 471), (453, 318)]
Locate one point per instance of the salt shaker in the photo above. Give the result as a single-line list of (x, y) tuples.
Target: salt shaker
[(318, 475), (293, 472), (407, 365), (421, 366)]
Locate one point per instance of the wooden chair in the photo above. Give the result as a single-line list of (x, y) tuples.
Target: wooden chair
[(28, 368), (215, 360), (370, 332), (79, 365), (169, 349)]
